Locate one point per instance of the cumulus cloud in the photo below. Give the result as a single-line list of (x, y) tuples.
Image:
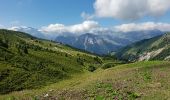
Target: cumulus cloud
[(95, 28), (53, 30), (130, 9), (142, 26), (84, 27)]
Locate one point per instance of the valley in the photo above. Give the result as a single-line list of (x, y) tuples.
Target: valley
[(27, 62), (33, 68), (84, 50)]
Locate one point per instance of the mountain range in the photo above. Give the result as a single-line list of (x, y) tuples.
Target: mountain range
[(98, 43)]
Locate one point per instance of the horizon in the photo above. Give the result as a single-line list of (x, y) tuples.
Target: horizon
[(85, 16)]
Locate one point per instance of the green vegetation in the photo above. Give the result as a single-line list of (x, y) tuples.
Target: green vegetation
[(91, 68), (29, 63), (142, 80), (35, 69), (157, 48), (110, 64), (163, 54)]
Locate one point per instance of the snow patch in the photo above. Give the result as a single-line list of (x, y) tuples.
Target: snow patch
[(90, 41)]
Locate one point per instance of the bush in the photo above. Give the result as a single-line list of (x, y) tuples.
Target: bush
[(22, 48), (91, 68), (108, 65), (80, 61), (99, 60), (4, 43)]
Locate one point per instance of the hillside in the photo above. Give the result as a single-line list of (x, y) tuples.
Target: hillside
[(27, 62), (141, 81), (157, 48), (36, 69)]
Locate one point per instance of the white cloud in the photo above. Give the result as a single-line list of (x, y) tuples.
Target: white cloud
[(16, 28), (53, 30), (142, 26), (1, 26), (130, 9), (87, 16), (95, 28), (84, 27)]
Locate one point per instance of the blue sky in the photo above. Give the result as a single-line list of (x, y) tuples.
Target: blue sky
[(38, 13), (42, 12)]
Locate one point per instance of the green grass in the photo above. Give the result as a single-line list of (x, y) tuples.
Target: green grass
[(35, 69), (142, 80), (30, 63)]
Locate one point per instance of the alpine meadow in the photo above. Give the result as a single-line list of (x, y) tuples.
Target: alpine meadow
[(84, 50)]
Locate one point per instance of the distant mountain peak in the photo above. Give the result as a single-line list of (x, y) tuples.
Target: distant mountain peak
[(105, 43)]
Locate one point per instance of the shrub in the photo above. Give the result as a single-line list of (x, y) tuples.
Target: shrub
[(80, 61), (108, 65), (4, 43), (91, 68), (99, 60)]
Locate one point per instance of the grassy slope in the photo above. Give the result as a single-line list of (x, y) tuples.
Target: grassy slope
[(27, 62), (132, 52), (142, 80)]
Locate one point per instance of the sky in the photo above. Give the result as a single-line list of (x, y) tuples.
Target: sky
[(85, 15), (36, 13)]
